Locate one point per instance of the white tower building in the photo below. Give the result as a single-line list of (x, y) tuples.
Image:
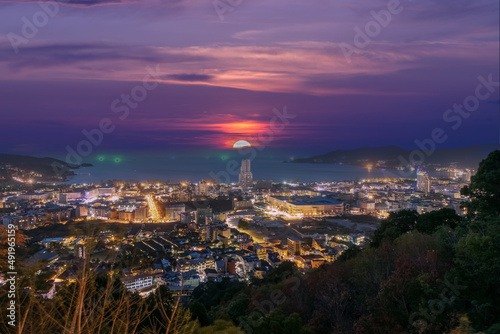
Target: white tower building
[(246, 176)]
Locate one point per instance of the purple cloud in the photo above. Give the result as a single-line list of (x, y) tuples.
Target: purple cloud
[(266, 53)]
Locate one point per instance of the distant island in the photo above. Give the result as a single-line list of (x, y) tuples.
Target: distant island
[(388, 156), (23, 168)]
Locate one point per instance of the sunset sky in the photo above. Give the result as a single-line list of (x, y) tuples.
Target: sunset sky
[(219, 80)]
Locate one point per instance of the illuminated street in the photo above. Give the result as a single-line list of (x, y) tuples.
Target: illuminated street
[(152, 207)]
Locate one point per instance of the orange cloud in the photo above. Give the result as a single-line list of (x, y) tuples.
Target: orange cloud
[(244, 127), (240, 130)]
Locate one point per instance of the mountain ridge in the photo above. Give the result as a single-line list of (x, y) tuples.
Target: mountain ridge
[(14, 165), (389, 156)]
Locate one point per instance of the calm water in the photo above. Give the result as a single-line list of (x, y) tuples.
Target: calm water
[(195, 168)]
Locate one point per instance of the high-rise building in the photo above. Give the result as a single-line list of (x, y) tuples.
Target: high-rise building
[(141, 213), (423, 182), (203, 188), (246, 177), (81, 211), (293, 246), (201, 215), (209, 232), (466, 175), (187, 217), (173, 211)]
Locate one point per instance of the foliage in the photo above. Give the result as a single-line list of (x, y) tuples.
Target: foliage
[(430, 222), (395, 225), (220, 327), (97, 303), (243, 224), (484, 189)]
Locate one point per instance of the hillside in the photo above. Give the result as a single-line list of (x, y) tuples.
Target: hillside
[(388, 156), (38, 169)]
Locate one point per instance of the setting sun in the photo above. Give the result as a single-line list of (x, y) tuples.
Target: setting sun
[(241, 144)]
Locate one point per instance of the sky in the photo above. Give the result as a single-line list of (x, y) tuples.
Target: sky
[(203, 74)]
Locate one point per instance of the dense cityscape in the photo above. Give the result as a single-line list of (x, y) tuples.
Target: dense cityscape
[(184, 234), (249, 167), (250, 256)]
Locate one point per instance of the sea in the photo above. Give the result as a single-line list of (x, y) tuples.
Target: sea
[(221, 166)]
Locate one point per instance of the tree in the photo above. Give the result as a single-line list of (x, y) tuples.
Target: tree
[(484, 189), (199, 311), (477, 255), (477, 268), (350, 253), (431, 221), (220, 327), (395, 225), (243, 224)]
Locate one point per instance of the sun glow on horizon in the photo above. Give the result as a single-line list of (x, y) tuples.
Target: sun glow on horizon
[(241, 144)]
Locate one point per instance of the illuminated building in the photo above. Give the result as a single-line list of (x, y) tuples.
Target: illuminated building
[(305, 205), (81, 211), (281, 250), (173, 212), (260, 251), (201, 214), (106, 191), (246, 176), (187, 217), (22, 222), (203, 188), (92, 194), (138, 282), (209, 232), (466, 175), (229, 266), (423, 182), (65, 197), (34, 196), (316, 245), (141, 213), (124, 215), (293, 246)]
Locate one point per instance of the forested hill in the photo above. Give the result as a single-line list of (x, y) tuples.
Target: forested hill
[(19, 165)]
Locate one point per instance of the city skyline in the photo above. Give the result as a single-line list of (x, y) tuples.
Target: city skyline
[(244, 167)]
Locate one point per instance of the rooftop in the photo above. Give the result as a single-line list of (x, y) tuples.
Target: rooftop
[(307, 200)]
